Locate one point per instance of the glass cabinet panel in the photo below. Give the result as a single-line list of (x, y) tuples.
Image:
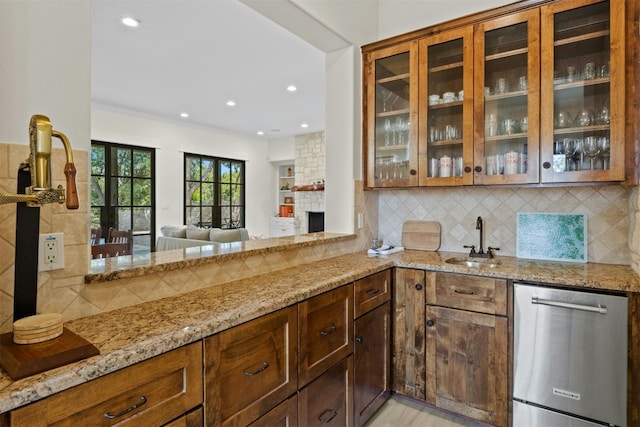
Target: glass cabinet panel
[(508, 97), (446, 149), (392, 140), (583, 117)]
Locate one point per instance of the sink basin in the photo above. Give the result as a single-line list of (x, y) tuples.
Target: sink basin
[(474, 262)]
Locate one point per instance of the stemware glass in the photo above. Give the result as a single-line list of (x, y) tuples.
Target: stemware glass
[(591, 149), (605, 151), (576, 153), (559, 147)]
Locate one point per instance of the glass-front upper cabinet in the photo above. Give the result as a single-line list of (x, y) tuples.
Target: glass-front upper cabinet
[(507, 96), (446, 108), (583, 91), (392, 120)]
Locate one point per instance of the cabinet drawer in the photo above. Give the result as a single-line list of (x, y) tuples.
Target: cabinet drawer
[(283, 415), (250, 368), (194, 418), (152, 392), (328, 400), (371, 292), (326, 332), (474, 293)]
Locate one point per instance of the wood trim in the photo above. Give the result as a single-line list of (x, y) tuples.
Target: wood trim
[(632, 107)]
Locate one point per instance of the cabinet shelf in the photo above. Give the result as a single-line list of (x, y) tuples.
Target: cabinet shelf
[(393, 113), (446, 142), (561, 85), (512, 94), (581, 38), (501, 55), (446, 67), (506, 137), (445, 105), (581, 129), (395, 78), (392, 147)]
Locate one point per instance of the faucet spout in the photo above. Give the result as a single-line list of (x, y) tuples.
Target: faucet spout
[(480, 228)]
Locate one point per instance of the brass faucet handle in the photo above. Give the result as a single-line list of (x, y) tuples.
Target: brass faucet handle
[(72, 189)]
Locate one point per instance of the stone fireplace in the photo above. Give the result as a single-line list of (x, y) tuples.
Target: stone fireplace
[(310, 168)]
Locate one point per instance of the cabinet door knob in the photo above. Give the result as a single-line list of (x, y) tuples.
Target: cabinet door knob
[(546, 165), (467, 169), (359, 339), (413, 172), (478, 169), (429, 323), (418, 287)]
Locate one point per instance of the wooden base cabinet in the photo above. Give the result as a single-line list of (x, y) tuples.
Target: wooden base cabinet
[(328, 400), (408, 347), (150, 393), (251, 368), (283, 415), (467, 346), (372, 345)]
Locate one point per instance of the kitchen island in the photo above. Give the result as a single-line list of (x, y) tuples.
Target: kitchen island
[(133, 334)]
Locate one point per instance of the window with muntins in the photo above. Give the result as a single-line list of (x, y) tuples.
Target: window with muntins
[(214, 191)]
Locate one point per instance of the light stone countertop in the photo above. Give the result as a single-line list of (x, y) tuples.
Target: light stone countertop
[(133, 334)]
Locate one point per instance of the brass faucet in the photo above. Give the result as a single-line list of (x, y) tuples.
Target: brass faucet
[(39, 165)]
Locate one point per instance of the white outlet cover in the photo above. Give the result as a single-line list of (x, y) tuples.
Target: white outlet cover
[(58, 238)]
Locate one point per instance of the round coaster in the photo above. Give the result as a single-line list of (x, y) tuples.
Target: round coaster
[(38, 321), (38, 328)]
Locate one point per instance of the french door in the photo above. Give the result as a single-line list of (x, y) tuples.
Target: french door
[(123, 191)]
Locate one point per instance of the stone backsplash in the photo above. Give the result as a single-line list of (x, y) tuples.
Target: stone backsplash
[(607, 209)]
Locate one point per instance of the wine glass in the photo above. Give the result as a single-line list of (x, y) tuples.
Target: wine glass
[(576, 153), (605, 151), (560, 147), (591, 149)]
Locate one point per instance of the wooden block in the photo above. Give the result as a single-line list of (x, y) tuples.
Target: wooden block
[(23, 360)]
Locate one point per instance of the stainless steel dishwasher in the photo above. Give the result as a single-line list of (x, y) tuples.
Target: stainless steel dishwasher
[(570, 358)]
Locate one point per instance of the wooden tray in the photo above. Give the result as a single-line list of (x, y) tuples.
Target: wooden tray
[(23, 360)]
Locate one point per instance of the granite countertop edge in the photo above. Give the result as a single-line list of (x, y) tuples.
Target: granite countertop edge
[(172, 322)]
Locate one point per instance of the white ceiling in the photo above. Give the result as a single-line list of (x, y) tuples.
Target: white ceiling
[(194, 55)]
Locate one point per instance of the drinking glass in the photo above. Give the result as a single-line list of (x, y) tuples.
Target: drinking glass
[(387, 131), (584, 118), (605, 151), (576, 153), (560, 147), (591, 149)]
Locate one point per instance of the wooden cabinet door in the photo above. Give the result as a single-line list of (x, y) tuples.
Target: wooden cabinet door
[(409, 333), (390, 124), (250, 368), (372, 362), (507, 99), (583, 91), (326, 332), (446, 123), (467, 363), (328, 400)]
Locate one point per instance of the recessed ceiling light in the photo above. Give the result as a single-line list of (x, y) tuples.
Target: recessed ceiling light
[(260, 132), (184, 115), (292, 88), (130, 22), (304, 125), (231, 103)]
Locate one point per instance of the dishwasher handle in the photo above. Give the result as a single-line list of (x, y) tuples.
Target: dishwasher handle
[(600, 309)]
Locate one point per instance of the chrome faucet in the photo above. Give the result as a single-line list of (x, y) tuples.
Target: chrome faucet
[(480, 253)]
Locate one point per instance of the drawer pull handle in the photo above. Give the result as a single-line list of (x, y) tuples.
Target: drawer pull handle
[(111, 416), (331, 415), (265, 365), (463, 292), (330, 331), (373, 291)]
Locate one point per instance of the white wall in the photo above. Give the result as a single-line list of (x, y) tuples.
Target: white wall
[(45, 69), (281, 150), (172, 140), (402, 16)]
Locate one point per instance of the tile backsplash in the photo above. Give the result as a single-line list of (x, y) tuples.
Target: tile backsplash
[(456, 209)]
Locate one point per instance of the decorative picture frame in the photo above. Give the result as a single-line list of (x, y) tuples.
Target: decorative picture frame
[(288, 200)]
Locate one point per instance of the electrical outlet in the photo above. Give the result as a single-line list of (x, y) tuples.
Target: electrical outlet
[(51, 252), (360, 220)]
